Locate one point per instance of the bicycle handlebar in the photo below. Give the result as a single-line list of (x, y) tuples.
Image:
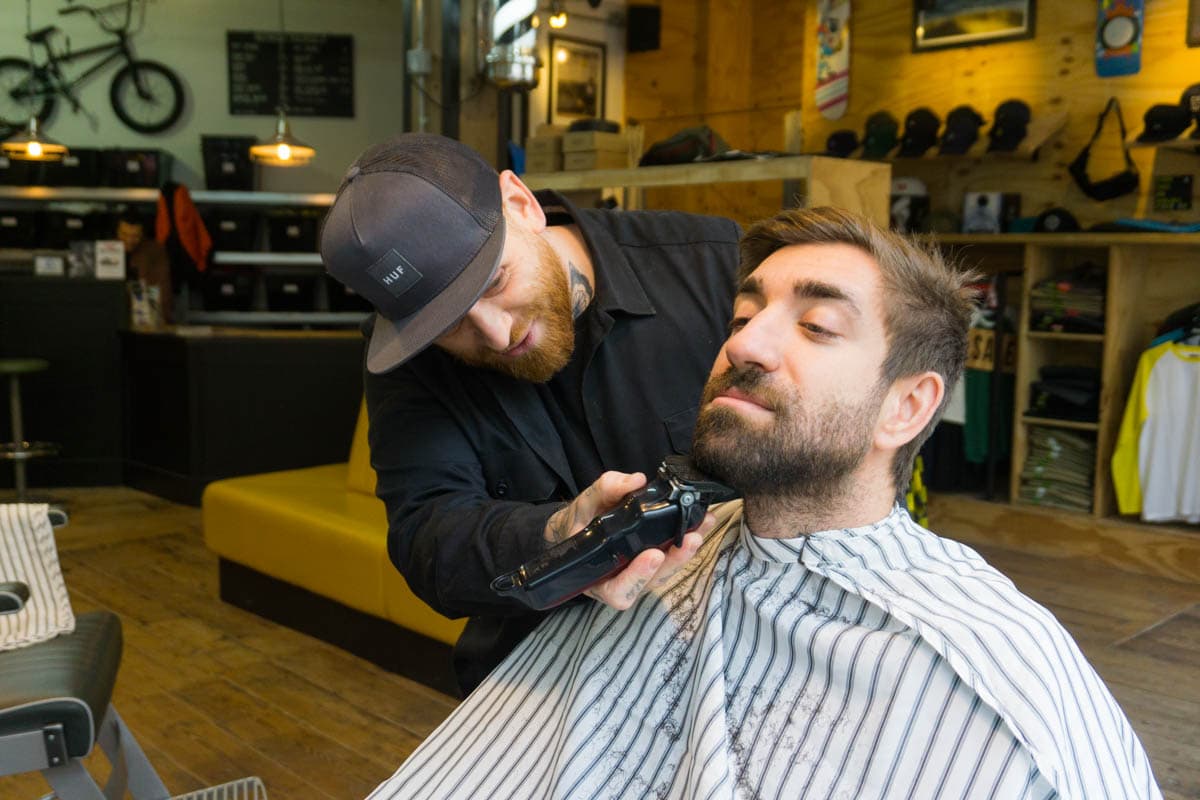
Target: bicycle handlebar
[(98, 13)]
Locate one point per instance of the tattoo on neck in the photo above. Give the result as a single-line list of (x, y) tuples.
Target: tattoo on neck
[(581, 289)]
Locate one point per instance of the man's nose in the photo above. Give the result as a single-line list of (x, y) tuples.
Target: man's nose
[(756, 344), (493, 325)]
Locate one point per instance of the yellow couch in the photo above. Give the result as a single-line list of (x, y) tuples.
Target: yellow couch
[(322, 529)]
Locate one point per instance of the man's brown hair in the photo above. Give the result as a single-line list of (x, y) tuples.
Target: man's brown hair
[(928, 302)]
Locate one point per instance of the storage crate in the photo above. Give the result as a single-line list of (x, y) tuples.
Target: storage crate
[(227, 164), (15, 172), (232, 230), (82, 166), (18, 228), (227, 290), (343, 298), (293, 230), (291, 292), (57, 229), (136, 168)]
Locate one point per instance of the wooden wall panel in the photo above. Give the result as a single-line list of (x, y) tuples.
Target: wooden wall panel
[(740, 66), (735, 66), (1053, 71)]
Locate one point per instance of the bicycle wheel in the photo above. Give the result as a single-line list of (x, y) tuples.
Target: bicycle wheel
[(22, 93), (147, 96)]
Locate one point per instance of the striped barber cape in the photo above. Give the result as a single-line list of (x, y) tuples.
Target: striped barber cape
[(874, 662)]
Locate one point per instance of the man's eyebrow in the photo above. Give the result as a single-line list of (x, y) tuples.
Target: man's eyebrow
[(751, 285), (819, 290)]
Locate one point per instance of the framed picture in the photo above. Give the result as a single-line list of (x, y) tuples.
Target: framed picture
[(577, 71), (1193, 23), (938, 24)]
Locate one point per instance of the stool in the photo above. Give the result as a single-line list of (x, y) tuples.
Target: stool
[(18, 450)]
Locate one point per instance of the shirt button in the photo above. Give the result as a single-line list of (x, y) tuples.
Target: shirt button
[(501, 489)]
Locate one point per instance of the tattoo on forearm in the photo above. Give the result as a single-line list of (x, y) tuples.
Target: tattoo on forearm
[(581, 289)]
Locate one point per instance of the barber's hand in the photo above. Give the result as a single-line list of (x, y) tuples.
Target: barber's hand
[(651, 568)]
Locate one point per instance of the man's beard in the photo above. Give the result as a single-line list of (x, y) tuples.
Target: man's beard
[(809, 451), (552, 308)]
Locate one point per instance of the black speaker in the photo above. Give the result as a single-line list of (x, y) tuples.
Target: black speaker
[(644, 28)]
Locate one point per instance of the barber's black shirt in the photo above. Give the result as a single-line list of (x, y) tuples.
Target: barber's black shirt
[(471, 463)]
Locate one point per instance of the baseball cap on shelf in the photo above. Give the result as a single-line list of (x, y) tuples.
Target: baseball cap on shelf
[(1056, 220), (841, 144), (417, 228), (920, 133), (1009, 125), (962, 131), (880, 135), (1164, 122), (1191, 104)]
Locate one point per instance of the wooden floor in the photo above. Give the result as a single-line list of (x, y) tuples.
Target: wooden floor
[(214, 693)]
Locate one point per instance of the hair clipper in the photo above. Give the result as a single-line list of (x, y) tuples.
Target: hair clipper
[(657, 515)]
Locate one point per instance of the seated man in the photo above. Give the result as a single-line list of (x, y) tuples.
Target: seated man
[(820, 644)]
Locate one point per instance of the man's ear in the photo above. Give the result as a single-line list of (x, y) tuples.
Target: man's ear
[(907, 409), (520, 204)]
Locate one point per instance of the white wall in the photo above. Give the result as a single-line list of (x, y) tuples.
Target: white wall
[(189, 36), (591, 25)]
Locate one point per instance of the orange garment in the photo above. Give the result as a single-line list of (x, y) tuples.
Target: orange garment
[(177, 213)]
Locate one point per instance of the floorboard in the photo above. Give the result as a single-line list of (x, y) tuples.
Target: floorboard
[(214, 693)]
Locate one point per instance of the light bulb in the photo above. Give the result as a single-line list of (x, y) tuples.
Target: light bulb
[(559, 20), (284, 152), (34, 149), (561, 55)]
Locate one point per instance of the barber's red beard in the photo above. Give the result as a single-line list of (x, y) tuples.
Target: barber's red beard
[(552, 308)]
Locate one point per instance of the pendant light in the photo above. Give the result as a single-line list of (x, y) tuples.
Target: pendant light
[(282, 149), (28, 144)]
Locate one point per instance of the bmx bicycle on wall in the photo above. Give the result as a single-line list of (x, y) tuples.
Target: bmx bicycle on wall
[(147, 96)]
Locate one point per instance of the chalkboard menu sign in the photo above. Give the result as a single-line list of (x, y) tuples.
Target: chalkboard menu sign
[(319, 73)]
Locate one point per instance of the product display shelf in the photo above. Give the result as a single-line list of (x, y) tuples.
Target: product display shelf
[(1147, 277), (861, 186), (265, 266)]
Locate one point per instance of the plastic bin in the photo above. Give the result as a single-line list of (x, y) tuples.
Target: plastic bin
[(57, 229), (227, 163), (136, 168), (227, 290), (293, 230), (291, 292), (18, 228), (343, 298), (82, 166), (232, 230)]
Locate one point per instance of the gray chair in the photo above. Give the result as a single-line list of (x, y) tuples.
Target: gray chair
[(56, 705)]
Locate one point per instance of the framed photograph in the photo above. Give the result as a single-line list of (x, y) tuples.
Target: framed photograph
[(577, 71), (1193, 23), (938, 24)]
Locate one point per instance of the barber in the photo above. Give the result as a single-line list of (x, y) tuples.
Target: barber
[(521, 348)]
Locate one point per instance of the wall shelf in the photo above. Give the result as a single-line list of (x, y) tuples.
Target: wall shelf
[(861, 186), (103, 194), (1050, 422), (233, 258), (1055, 336), (274, 318)]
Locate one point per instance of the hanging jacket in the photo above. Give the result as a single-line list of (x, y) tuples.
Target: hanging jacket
[(180, 229)]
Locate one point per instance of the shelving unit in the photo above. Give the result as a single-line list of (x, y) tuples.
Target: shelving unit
[(304, 265), (1148, 275)]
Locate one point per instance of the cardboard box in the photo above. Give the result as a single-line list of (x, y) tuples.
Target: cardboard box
[(595, 159), (543, 145), (543, 162), (576, 141)]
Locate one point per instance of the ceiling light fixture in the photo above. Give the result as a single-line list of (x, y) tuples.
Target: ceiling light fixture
[(283, 149), (558, 15), (28, 144)]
